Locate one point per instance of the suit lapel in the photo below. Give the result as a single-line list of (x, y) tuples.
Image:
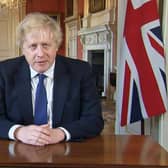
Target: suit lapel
[(61, 85), (23, 88)]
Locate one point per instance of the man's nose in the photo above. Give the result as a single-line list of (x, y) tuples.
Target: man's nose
[(40, 50)]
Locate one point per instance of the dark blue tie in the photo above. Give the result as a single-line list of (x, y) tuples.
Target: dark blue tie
[(40, 114)]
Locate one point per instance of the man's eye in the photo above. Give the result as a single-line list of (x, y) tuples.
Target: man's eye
[(33, 47), (46, 46)]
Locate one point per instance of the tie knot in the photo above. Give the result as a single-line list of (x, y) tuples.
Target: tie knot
[(42, 77)]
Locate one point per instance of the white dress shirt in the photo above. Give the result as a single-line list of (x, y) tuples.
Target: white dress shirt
[(49, 83)]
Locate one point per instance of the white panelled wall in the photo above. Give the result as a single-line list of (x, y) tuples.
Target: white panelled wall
[(9, 19), (163, 122)]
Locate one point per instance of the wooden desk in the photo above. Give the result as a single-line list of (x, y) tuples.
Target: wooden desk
[(100, 152)]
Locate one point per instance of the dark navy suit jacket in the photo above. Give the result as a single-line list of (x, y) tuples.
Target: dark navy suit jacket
[(76, 105)]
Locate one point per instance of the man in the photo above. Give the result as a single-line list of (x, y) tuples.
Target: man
[(73, 108)]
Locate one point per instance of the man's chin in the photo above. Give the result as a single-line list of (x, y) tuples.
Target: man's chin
[(41, 68)]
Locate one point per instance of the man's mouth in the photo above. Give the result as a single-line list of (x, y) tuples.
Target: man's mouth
[(41, 62)]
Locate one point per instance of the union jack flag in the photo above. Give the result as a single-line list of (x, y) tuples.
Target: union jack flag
[(143, 80)]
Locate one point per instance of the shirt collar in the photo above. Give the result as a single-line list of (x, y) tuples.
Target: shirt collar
[(49, 73)]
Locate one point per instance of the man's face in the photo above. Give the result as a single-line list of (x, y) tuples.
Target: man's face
[(39, 49)]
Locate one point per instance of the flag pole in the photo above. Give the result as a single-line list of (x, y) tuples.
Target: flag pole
[(142, 127)]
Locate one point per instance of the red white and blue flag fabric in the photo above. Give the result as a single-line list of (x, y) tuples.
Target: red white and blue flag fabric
[(143, 80)]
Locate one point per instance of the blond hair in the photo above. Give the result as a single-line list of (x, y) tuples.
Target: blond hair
[(38, 20)]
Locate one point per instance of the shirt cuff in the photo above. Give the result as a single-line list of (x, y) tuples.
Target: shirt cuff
[(67, 134), (12, 130)]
